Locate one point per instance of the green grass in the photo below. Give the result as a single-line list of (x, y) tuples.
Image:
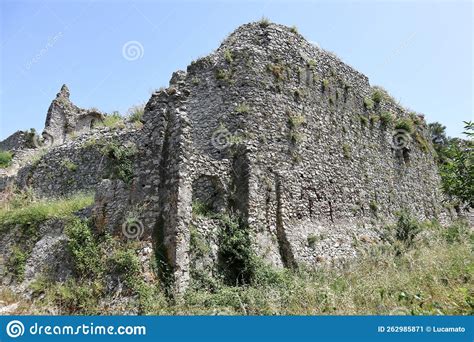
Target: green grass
[(5, 159), (114, 120), (135, 114), (416, 269), (32, 212), (433, 277), (22, 215)]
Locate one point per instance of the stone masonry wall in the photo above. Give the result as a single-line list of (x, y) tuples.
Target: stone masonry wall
[(268, 128)]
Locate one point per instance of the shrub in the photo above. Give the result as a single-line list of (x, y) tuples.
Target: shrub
[(295, 120), (84, 249), (200, 208), (242, 108), (311, 64), (68, 164), (386, 118), (296, 156), (264, 22), (405, 124), (456, 233), (346, 151), (377, 96), (197, 243), (298, 93), (457, 169), (368, 103), (373, 119), (125, 262), (294, 29), (407, 228), (297, 137), (363, 120), (312, 239), (5, 159), (374, 208), (237, 255), (222, 75), (75, 296), (16, 263), (325, 84), (30, 138), (422, 142), (277, 70), (228, 56), (415, 118), (121, 158)]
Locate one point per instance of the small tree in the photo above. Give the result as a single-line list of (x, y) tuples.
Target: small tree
[(407, 228), (457, 170), (439, 139)]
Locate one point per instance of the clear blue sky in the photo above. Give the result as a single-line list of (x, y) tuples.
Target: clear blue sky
[(421, 52)]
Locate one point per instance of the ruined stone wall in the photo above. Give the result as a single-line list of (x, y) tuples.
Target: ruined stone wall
[(78, 165), (268, 128), (16, 141), (321, 164)]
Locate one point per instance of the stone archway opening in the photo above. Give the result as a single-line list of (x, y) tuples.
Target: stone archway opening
[(208, 194)]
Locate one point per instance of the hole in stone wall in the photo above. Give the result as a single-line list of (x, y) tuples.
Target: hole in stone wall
[(208, 192), (406, 155)]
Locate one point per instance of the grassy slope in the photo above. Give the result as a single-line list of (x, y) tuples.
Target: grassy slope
[(430, 273)]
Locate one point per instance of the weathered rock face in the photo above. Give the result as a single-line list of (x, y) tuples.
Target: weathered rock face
[(270, 128)]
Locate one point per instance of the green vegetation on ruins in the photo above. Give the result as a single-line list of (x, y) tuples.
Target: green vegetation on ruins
[(417, 268)]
